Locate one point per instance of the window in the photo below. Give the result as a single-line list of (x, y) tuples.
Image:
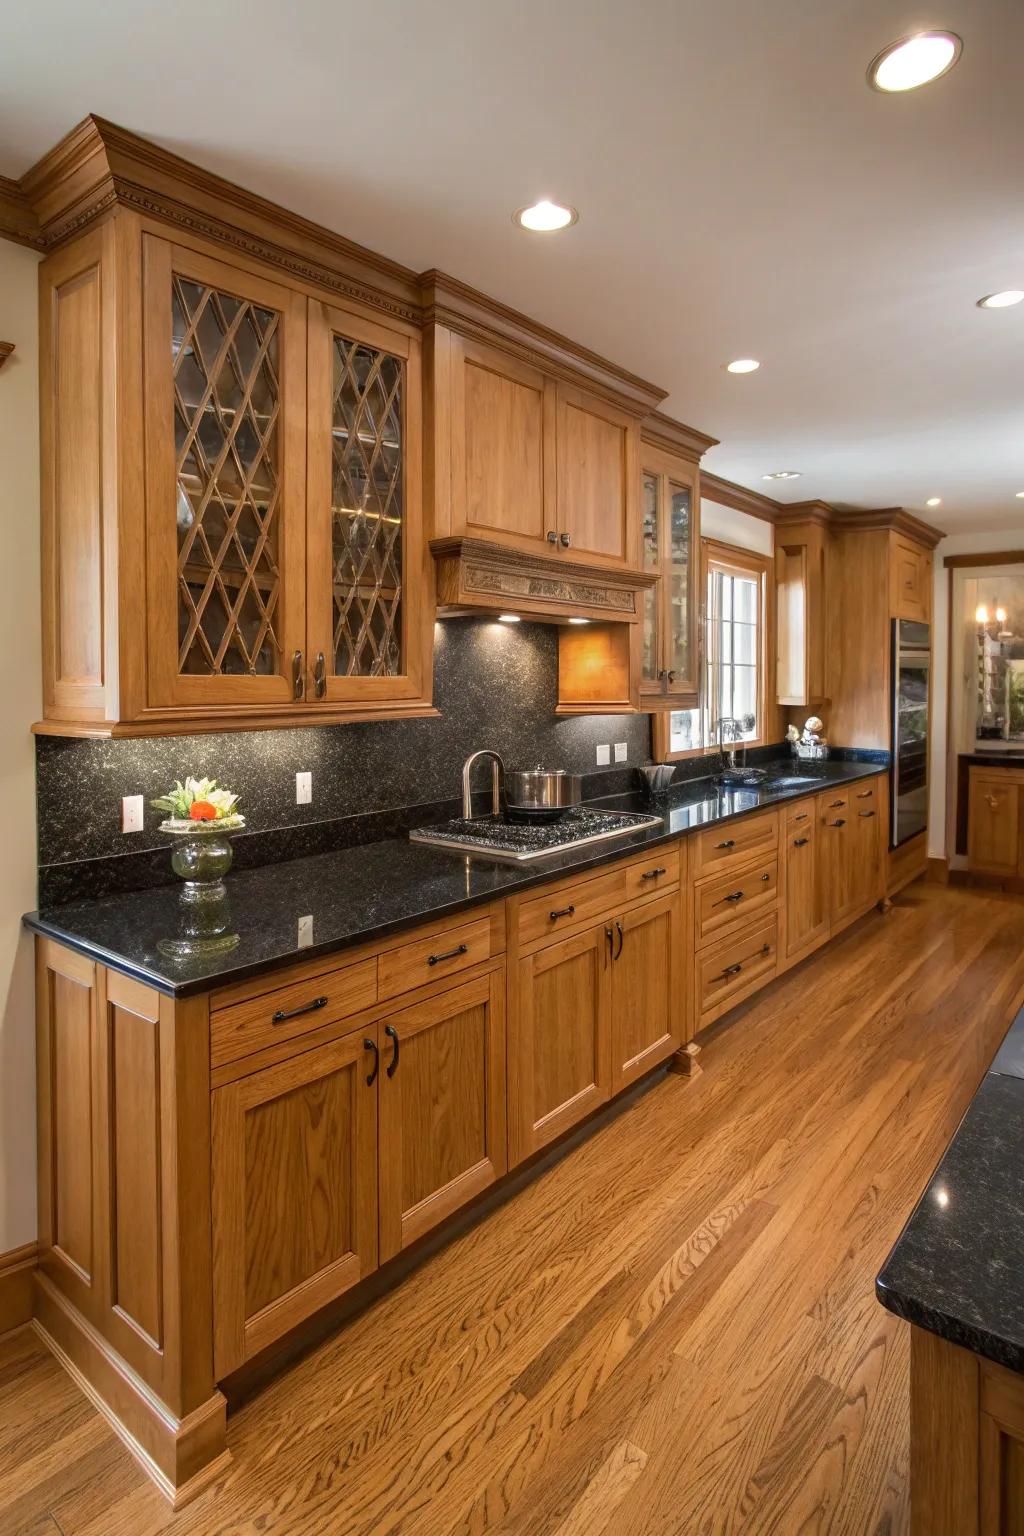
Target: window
[(734, 582)]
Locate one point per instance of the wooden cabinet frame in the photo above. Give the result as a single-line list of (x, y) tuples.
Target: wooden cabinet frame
[(674, 692)]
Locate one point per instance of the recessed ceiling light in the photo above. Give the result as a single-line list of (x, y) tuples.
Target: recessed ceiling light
[(509, 618), (743, 365), (1020, 495), (914, 61), (934, 501), (1004, 300), (579, 621), (545, 216), (782, 474)]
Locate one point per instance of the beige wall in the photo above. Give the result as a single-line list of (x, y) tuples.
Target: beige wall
[(20, 672)]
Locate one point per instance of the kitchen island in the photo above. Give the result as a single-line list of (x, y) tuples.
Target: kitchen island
[(235, 1141), (956, 1274)]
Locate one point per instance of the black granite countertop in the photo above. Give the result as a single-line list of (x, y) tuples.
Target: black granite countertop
[(310, 906), (994, 757), (957, 1268)]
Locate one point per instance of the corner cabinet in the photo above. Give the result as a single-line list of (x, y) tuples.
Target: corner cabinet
[(232, 492)]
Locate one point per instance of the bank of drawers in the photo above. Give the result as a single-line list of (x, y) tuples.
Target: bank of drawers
[(735, 912)]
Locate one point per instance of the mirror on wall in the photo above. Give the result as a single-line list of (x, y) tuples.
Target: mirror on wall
[(994, 619)]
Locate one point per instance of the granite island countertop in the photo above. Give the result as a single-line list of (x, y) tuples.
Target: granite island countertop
[(957, 1268), (311, 906)]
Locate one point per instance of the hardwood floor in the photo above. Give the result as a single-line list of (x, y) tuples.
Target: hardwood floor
[(673, 1331)]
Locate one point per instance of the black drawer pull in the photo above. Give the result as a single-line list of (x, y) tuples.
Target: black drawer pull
[(652, 874), (800, 842), (561, 912), (622, 939), (837, 805), (392, 1034), (449, 954), (294, 1013), (802, 816), (839, 822), (864, 794), (865, 813), (732, 896), (730, 970), (765, 879), (371, 1045), (730, 842)]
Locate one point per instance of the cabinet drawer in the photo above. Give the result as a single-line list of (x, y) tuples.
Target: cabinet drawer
[(730, 902), (444, 954), (863, 797), (288, 1012), (556, 913), (834, 804), (650, 876), (800, 815), (730, 971), (732, 842)]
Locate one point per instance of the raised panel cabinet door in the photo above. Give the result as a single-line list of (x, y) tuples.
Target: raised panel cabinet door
[(502, 447), (806, 924), (559, 1040), (993, 823), (294, 1154), (224, 360), (648, 999), (866, 851), (836, 851), (368, 584), (442, 1107), (910, 569), (597, 504)]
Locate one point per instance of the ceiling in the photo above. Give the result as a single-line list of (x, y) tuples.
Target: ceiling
[(741, 193)]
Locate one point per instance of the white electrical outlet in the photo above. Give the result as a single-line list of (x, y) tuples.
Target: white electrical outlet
[(621, 751), (303, 789), (132, 813), (604, 756), (305, 932)]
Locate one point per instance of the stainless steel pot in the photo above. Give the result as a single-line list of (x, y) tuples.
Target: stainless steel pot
[(542, 792)]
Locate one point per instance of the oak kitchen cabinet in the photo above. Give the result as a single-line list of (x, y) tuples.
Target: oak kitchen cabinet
[(670, 509), (852, 829), (995, 821), (231, 494), (806, 876)]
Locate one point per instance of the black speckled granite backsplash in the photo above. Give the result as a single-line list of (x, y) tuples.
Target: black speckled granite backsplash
[(495, 685)]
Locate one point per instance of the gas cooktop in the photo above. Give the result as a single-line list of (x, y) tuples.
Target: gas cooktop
[(496, 837)]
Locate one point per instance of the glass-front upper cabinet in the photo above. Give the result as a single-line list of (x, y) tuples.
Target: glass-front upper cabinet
[(225, 363), (669, 670), (367, 588)]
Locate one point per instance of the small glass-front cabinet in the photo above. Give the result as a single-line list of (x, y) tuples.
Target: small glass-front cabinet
[(367, 591), (668, 672)]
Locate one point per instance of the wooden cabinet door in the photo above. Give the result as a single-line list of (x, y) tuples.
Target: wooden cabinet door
[(836, 852), (442, 1107), (225, 429), (559, 1040), (670, 533), (368, 584), (993, 822), (294, 1154), (647, 988), (910, 572), (806, 921), (598, 474), (502, 447), (866, 846)]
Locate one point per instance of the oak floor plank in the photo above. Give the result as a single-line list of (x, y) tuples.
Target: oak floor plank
[(673, 1331)]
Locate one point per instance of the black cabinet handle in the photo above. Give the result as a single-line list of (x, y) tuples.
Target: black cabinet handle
[(561, 912), (652, 874), (730, 842), (837, 805), (298, 680), (610, 937), (864, 794), (732, 896), (671, 674), (320, 675), (802, 816), (371, 1045), (449, 954), (800, 842), (294, 1013), (392, 1034), (865, 813), (839, 822), (730, 970), (618, 930)]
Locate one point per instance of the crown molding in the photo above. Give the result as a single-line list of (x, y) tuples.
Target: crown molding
[(447, 301), (890, 519), (728, 494), (17, 219), (662, 431)]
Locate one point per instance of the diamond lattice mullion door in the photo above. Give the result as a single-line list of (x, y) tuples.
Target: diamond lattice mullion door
[(369, 591), (225, 381)]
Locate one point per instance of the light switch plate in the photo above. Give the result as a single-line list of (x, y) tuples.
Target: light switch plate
[(305, 932), (133, 813), (621, 751), (604, 756), (303, 789)]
